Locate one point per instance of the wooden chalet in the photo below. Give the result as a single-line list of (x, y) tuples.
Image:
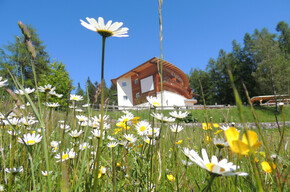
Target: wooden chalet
[(270, 99), (134, 86)]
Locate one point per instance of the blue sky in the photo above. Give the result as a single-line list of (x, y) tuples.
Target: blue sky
[(193, 31)]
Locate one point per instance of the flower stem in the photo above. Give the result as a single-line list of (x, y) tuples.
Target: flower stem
[(210, 181), (100, 141)]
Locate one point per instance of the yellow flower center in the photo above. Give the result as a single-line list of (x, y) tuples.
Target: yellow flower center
[(130, 139), (112, 145), (142, 128), (211, 165), (65, 156), (30, 142), (156, 104)]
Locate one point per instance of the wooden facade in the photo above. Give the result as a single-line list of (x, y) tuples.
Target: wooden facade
[(174, 80)]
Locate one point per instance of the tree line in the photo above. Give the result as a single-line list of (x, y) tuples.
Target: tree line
[(16, 59), (262, 63)]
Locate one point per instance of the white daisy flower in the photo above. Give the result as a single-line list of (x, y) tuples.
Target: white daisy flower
[(107, 30), (86, 105), (46, 88), (45, 173), (54, 145), (142, 127), (27, 121), (220, 143), (1, 116), (126, 118), (186, 152), (94, 124), (111, 138), (69, 154), (3, 83), (214, 166), (55, 94), (30, 139), (52, 105), (75, 133), (107, 126), (78, 110), (224, 127), (149, 141), (12, 115), (161, 117), (112, 144), (84, 146), (153, 131), (13, 132), (83, 123), (176, 128), (98, 118), (153, 101), (13, 121), (27, 90), (97, 133), (14, 170), (82, 118), (75, 97), (130, 137), (179, 114), (65, 127)]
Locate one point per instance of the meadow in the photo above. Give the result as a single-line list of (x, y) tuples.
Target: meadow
[(140, 151)]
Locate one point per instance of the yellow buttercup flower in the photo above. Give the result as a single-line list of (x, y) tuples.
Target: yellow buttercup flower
[(170, 177), (242, 146), (179, 142), (267, 167), (208, 126), (135, 120)]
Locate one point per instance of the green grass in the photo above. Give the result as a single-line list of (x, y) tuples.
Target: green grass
[(139, 166), (265, 114)]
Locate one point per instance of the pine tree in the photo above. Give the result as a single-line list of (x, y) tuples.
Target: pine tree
[(18, 60)]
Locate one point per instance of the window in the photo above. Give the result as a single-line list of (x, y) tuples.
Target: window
[(147, 84), (137, 95), (136, 81), (125, 97), (124, 84)]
